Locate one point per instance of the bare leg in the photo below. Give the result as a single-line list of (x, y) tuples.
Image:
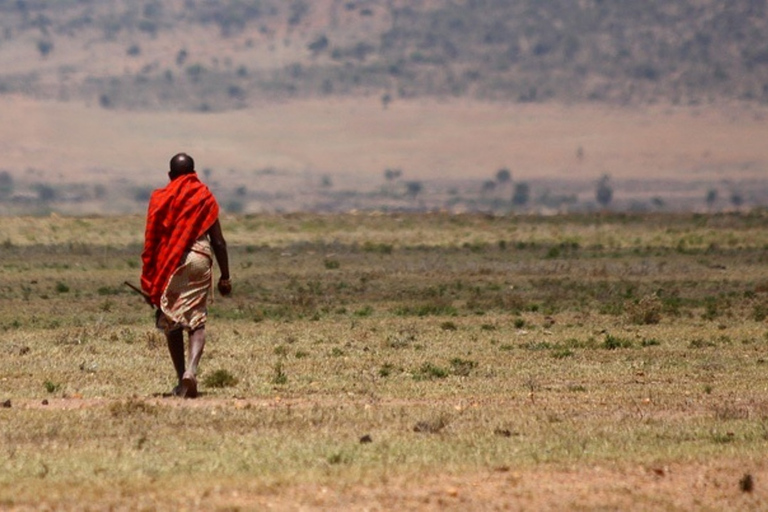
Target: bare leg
[(176, 348), (196, 346)]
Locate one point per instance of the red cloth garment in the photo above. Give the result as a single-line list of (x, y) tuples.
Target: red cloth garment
[(178, 214)]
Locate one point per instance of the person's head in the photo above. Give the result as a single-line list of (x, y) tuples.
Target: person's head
[(181, 163)]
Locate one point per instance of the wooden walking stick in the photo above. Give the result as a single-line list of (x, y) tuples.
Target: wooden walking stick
[(139, 291)]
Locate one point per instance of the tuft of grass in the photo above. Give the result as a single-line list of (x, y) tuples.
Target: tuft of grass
[(650, 342), (364, 312), (562, 353), (386, 370), (701, 343), (462, 367), (279, 377), (131, 407), (432, 426), (429, 371), (646, 311), (50, 386), (400, 339), (723, 438), (378, 248), (448, 326), (438, 307), (612, 342), (332, 264), (760, 311), (220, 378)]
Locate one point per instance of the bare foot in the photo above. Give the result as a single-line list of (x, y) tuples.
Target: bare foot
[(188, 386)]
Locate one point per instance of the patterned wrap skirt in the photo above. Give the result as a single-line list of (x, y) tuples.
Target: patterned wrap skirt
[(184, 301)]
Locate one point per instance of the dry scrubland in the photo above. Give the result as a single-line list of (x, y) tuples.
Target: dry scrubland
[(331, 155), (396, 361)]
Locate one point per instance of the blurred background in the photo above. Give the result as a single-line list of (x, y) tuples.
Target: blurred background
[(495, 106)]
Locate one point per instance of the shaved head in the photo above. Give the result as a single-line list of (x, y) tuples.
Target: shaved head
[(181, 163)]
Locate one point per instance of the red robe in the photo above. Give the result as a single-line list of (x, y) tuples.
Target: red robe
[(178, 214)]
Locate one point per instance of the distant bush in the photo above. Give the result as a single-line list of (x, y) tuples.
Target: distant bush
[(45, 47)]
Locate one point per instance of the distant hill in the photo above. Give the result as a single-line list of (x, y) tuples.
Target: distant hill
[(198, 55)]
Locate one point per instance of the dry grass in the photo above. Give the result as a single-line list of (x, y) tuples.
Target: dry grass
[(432, 367)]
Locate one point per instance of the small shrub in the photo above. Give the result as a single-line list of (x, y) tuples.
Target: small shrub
[(519, 323), (61, 287), (448, 326), (50, 386)]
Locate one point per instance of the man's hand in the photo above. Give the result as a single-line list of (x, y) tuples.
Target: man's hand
[(225, 286)]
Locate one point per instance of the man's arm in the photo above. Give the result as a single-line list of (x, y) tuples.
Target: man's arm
[(219, 246)]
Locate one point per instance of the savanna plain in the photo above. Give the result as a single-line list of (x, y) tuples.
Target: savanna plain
[(395, 361)]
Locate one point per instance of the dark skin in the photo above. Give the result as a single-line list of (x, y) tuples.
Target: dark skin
[(186, 370), (175, 338)]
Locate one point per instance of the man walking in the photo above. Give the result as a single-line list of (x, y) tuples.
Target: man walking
[(182, 236)]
